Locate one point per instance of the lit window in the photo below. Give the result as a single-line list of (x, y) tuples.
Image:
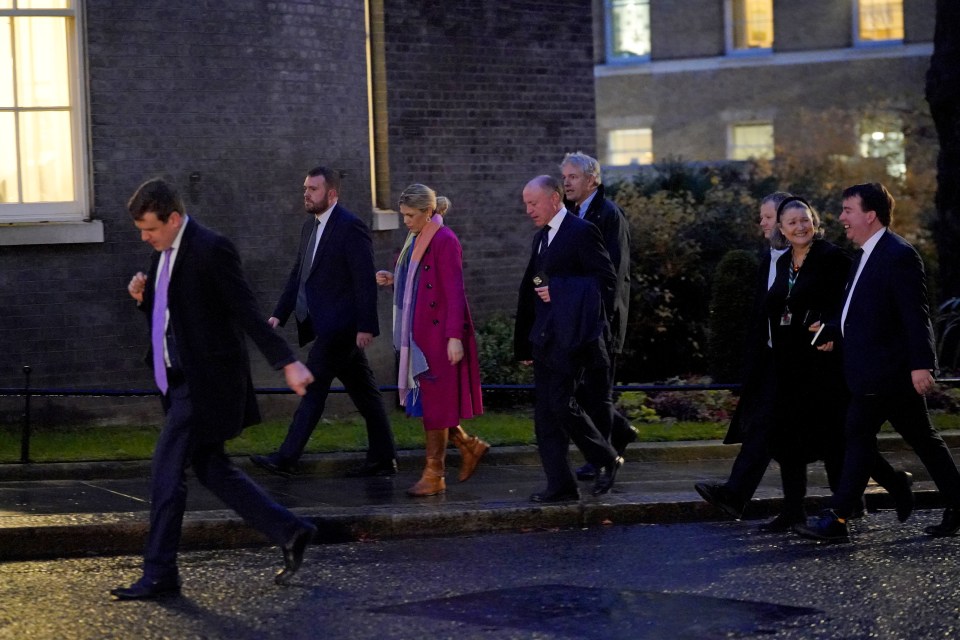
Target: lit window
[(751, 23), (628, 28), (753, 140), (879, 20), (630, 146), (41, 154), (882, 137)]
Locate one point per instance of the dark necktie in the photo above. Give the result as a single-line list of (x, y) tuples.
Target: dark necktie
[(158, 323), (307, 263), (544, 239), (576, 210), (858, 256)]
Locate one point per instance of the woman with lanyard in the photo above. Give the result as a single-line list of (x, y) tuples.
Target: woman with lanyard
[(439, 372), (811, 398)]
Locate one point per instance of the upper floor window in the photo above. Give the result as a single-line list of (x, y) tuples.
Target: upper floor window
[(882, 137), (878, 20), (630, 146), (628, 29), (41, 154), (752, 140), (749, 25)]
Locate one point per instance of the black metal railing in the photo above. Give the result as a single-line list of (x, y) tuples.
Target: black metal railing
[(27, 392)]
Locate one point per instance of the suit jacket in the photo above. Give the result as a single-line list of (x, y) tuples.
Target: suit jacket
[(576, 253), (211, 308), (887, 333), (613, 225), (341, 287)]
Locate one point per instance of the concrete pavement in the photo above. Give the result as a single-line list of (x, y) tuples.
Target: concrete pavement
[(54, 510)]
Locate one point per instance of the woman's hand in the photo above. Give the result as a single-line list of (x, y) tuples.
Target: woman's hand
[(454, 350), (384, 278)]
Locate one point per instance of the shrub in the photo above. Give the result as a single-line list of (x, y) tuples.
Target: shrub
[(731, 309), (697, 406), (497, 363)]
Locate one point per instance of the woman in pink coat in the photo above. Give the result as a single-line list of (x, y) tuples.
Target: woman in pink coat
[(439, 375)]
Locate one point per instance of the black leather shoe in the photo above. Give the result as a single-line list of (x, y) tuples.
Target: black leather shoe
[(903, 495), (783, 522), (586, 472), (606, 477), (620, 440), (373, 469), (564, 495), (144, 589), (273, 465), (948, 527), (293, 553), (722, 498), (826, 527)]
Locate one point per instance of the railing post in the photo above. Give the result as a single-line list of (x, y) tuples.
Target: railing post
[(25, 436)]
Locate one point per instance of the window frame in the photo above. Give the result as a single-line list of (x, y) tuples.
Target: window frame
[(78, 209), (731, 139), (610, 149), (613, 58), (859, 42), (729, 35)]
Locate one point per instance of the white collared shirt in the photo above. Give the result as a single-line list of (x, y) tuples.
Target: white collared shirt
[(771, 278), (554, 224), (323, 218), (867, 247)]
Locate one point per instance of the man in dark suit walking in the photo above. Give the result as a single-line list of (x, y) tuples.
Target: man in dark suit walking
[(199, 306), (888, 362), (332, 290), (562, 317), (584, 197)]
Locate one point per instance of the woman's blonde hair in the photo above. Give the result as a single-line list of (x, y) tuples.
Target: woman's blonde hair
[(423, 198)]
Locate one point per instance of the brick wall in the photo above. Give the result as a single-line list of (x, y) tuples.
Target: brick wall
[(247, 96), (483, 96)]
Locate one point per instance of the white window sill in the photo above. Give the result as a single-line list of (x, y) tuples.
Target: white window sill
[(25, 233)]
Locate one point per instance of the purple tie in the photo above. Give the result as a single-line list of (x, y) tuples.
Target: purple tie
[(159, 323)]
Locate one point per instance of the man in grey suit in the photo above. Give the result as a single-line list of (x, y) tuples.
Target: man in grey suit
[(888, 362)]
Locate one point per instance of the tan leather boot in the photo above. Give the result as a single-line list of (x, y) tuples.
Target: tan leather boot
[(471, 449), (431, 483)]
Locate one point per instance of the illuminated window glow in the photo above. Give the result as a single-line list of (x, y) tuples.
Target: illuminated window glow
[(752, 23), (630, 146), (879, 20), (629, 28), (751, 141)]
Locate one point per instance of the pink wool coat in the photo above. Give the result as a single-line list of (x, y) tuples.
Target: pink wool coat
[(449, 392)]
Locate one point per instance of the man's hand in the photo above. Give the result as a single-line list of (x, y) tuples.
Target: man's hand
[(273, 322), (454, 350), (923, 381), (364, 339), (384, 278), (543, 292), (298, 377), (137, 284), (826, 346)]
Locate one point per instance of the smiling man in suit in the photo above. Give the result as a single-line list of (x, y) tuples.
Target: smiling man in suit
[(888, 361), (562, 324), (332, 291), (199, 306)]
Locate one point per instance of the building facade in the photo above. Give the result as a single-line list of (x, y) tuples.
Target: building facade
[(713, 80), (235, 103)]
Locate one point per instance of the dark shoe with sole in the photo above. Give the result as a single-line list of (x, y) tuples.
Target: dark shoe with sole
[(606, 477), (826, 527), (272, 464), (903, 495), (587, 472), (293, 553), (722, 498), (564, 495), (783, 522), (948, 527), (373, 469), (619, 441), (144, 589)]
